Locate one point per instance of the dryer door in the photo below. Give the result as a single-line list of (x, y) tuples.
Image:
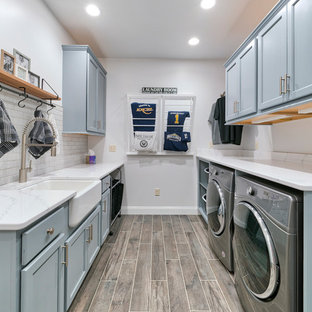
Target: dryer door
[(216, 208), (255, 253)]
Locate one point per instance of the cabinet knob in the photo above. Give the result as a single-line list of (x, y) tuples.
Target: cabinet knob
[(50, 231)]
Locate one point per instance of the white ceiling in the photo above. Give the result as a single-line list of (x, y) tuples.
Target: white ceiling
[(161, 28)]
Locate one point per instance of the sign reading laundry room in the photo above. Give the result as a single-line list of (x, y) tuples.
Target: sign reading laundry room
[(155, 90)]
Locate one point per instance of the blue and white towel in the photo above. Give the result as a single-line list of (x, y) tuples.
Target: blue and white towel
[(8, 135), (41, 133), (145, 141), (177, 141), (144, 116), (176, 120)]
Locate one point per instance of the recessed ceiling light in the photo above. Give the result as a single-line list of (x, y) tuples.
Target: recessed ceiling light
[(193, 41), (93, 10), (207, 4)]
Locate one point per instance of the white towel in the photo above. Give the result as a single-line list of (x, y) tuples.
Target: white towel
[(145, 141), (51, 118)]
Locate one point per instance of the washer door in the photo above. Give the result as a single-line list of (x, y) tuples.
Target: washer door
[(215, 208), (255, 253)]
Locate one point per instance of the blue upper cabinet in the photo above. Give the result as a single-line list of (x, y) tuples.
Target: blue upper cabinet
[(92, 94), (101, 102), (279, 52), (241, 83), (232, 90), (272, 62), (300, 48), (248, 80), (84, 91)]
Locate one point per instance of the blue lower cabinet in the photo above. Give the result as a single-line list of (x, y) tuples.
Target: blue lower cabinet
[(106, 199), (42, 280), (76, 269), (94, 241), (43, 267), (82, 247)]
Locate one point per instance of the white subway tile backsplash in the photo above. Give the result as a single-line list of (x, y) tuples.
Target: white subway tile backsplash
[(73, 146)]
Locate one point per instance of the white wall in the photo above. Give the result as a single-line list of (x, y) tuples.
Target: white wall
[(175, 176), (29, 27)]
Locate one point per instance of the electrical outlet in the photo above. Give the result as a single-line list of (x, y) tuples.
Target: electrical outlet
[(112, 148), (157, 191), (257, 145)]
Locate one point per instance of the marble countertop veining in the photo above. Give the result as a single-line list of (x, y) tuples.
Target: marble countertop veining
[(21, 207), (294, 174)]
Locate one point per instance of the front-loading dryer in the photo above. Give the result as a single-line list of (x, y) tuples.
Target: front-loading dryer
[(219, 205), (267, 246)]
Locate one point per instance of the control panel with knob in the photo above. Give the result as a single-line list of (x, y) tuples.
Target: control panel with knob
[(250, 191)]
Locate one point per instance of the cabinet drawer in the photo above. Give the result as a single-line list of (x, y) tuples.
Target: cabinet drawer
[(106, 183), (39, 236)]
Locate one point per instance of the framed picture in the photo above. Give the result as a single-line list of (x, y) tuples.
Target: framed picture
[(33, 79), (21, 59), (7, 62), (21, 72)]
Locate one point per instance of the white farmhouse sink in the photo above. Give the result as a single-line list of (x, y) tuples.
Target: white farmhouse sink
[(88, 194)]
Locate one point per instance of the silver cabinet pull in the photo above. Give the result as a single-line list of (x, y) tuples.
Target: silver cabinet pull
[(104, 208), (91, 229), (281, 86), (89, 239), (66, 255), (287, 77)]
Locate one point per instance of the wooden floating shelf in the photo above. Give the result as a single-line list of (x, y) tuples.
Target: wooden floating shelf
[(15, 82), (288, 114)]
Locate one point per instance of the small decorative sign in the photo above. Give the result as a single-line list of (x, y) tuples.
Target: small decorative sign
[(155, 90)]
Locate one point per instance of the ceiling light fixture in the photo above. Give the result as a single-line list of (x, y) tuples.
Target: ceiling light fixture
[(93, 10), (193, 41), (207, 4)]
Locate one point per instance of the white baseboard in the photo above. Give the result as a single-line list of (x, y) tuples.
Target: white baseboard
[(159, 210)]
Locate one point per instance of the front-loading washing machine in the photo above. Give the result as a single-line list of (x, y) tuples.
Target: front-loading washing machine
[(219, 205), (267, 246)]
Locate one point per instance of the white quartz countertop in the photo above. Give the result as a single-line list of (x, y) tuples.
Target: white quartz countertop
[(21, 207), (97, 171), (297, 175)]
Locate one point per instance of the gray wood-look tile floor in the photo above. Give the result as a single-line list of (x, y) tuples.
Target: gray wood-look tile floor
[(157, 264)]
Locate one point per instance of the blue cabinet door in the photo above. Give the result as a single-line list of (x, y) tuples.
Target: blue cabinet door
[(232, 90), (92, 95), (94, 238), (272, 60), (248, 80), (42, 281), (101, 102), (105, 215), (300, 48), (77, 267)]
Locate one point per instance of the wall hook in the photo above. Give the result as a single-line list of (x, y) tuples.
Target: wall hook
[(52, 106), (25, 97), (39, 104)]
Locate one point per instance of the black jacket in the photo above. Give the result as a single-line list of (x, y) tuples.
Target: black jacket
[(228, 134)]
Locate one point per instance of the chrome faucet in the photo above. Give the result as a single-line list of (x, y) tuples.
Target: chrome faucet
[(23, 171)]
